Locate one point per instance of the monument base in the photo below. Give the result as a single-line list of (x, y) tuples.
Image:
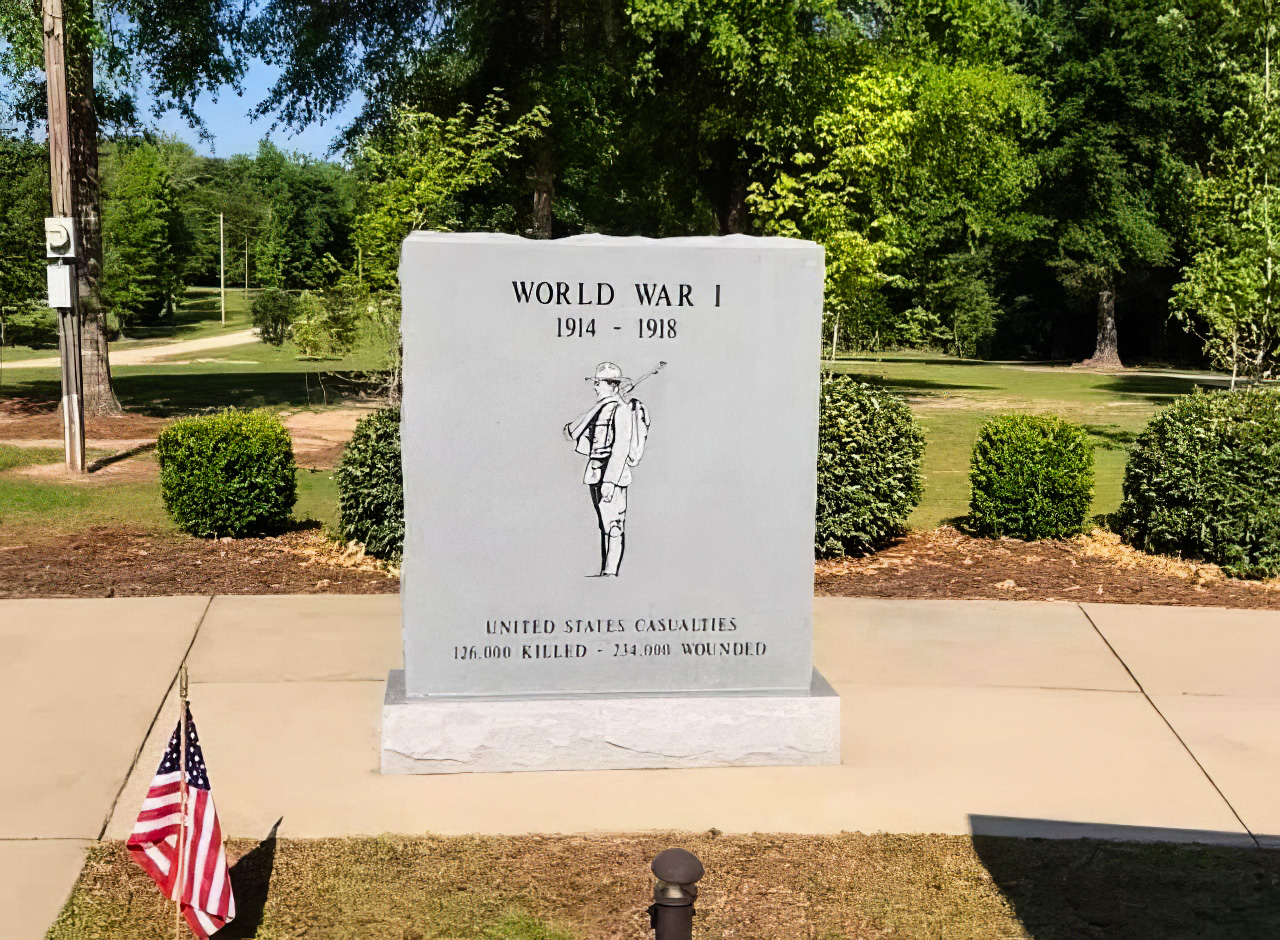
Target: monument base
[(608, 732)]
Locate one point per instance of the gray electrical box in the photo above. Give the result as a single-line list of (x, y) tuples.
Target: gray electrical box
[(60, 237), (59, 276)]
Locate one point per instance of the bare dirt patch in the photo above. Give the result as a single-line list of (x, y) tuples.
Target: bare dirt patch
[(111, 562), (136, 469), (757, 887), (319, 436), (945, 563), (26, 419)]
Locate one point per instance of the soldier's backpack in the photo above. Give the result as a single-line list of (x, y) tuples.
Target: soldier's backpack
[(639, 432)]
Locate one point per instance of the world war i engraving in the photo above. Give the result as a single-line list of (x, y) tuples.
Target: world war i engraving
[(608, 449)]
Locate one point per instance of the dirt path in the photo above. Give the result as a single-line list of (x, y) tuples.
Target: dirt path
[(144, 354)]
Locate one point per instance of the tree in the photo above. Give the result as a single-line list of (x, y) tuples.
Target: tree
[(182, 48), (414, 175), (304, 230), (1230, 287), (144, 236), (1125, 79), (736, 83), (916, 170), (24, 203)]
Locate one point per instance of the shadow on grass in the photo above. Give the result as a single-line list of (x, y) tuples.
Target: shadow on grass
[(162, 395), (912, 361), (926, 386), (1154, 388), (1110, 436), (1071, 880), (250, 884)]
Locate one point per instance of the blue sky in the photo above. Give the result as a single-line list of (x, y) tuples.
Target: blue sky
[(233, 132)]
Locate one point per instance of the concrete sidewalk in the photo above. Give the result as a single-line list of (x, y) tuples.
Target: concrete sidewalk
[(1010, 717)]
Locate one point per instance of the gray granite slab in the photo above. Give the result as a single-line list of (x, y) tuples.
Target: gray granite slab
[(569, 405)]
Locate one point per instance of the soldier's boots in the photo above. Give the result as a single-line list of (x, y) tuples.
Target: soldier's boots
[(613, 555)]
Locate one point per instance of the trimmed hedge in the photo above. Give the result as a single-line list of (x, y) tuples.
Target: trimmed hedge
[(1031, 477), (228, 474), (1203, 481), (371, 485), (869, 453)]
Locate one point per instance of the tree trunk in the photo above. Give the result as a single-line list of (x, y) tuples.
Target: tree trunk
[(1106, 352), (82, 119), (732, 212), (544, 164), (544, 184)]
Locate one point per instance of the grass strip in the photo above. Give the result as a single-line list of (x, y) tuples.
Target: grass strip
[(840, 887)]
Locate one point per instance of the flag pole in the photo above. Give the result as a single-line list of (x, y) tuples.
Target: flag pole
[(180, 884)]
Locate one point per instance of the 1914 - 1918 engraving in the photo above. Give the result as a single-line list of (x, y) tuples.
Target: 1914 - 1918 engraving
[(612, 435)]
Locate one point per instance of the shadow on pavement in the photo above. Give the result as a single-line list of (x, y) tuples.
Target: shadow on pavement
[(251, 881), (1070, 881)]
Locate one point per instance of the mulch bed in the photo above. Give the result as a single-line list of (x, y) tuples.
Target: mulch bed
[(110, 562), (946, 563)]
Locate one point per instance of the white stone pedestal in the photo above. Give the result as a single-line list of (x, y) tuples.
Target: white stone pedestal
[(607, 732)]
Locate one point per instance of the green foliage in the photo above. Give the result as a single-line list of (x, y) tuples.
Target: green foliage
[(24, 203), (303, 218), (371, 485), (325, 325), (273, 312), (869, 453), (33, 325), (415, 172), (1203, 481), (231, 473), (1128, 81), (144, 237), (1031, 477), (914, 171), (1231, 289)]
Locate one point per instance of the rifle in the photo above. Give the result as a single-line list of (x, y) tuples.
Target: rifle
[(625, 392)]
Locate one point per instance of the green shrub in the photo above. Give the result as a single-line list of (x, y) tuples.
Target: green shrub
[(34, 325), (371, 486), (273, 312), (1031, 477), (1203, 481), (325, 325), (228, 474), (869, 452)]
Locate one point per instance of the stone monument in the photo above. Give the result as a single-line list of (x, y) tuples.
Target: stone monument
[(609, 450)]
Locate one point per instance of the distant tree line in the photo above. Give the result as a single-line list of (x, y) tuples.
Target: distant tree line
[(1085, 179)]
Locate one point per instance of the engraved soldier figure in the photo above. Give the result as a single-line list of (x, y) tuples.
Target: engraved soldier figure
[(611, 434)]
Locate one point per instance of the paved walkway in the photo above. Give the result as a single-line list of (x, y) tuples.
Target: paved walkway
[(141, 355), (959, 716)]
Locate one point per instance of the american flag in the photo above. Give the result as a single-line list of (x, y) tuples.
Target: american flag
[(205, 895)]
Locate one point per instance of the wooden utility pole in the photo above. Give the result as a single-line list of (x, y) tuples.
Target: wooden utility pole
[(55, 67), (246, 266), (222, 269)]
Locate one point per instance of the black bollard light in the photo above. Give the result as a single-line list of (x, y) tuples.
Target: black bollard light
[(671, 915)]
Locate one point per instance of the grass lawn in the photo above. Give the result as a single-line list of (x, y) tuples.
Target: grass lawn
[(757, 887), (249, 376), (953, 397), (32, 506)]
